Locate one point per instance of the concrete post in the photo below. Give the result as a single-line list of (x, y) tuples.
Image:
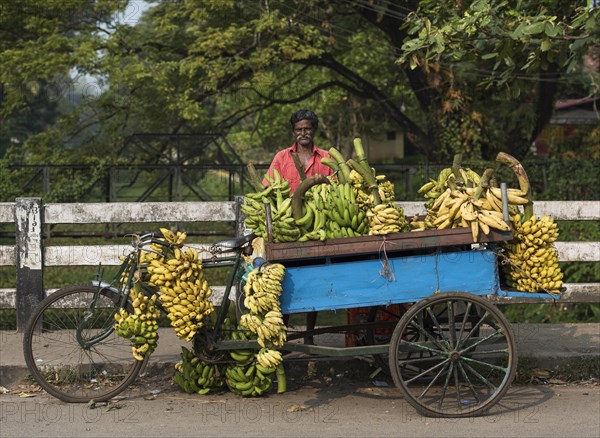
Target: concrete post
[(29, 258)]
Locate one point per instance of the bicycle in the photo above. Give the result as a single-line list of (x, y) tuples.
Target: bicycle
[(70, 345)]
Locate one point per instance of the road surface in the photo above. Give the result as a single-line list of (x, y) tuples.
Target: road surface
[(330, 407)]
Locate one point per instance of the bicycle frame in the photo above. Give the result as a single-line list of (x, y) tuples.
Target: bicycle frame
[(121, 287)]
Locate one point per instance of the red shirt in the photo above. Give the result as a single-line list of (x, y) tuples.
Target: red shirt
[(284, 163)]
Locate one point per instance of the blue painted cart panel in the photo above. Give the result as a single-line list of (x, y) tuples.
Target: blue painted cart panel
[(342, 285)]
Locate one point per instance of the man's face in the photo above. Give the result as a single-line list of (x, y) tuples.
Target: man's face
[(304, 133)]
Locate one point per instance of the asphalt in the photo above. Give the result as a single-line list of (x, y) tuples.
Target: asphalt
[(550, 347)]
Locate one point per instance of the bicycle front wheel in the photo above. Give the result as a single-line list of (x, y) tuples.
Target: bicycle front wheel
[(79, 365)]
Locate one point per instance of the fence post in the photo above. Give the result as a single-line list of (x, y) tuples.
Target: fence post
[(29, 258)]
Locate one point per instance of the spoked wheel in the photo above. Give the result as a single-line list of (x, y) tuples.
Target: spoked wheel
[(391, 315), (468, 355), (77, 366)]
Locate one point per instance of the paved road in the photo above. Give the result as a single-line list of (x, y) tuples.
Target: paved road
[(336, 407)]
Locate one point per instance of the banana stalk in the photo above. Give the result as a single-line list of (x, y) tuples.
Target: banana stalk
[(254, 179), (299, 166), (298, 196), (360, 154), (369, 179), (281, 381), (344, 174), (330, 162), (456, 164), (484, 182), (522, 177)]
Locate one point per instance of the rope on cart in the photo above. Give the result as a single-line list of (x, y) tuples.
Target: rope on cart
[(387, 270)]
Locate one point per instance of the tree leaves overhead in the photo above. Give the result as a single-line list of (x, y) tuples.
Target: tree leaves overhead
[(241, 67)]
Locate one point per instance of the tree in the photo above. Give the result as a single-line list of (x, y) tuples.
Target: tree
[(439, 69)]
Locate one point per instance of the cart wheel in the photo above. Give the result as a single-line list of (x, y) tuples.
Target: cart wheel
[(469, 355), (391, 315)]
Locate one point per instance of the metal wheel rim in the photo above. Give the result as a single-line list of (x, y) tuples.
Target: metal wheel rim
[(464, 375), (59, 364)]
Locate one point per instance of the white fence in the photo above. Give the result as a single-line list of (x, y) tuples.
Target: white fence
[(30, 255)]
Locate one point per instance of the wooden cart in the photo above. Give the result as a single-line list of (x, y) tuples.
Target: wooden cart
[(452, 352)]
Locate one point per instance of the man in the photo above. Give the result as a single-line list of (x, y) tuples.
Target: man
[(304, 127)]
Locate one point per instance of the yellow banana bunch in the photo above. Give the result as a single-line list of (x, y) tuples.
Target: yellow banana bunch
[(434, 188), (386, 219), (141, 326), (193, 375), (475, 208), (183, 290), (269, 358), (262, 291), (386, 190), (363, 196), (532, 261)]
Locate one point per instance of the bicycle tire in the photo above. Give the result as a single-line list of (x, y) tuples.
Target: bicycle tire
[(61, 365)]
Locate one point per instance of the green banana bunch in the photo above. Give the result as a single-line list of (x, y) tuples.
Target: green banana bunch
[(532, 259), (248, 379), (195, 376), (262, 291), (245, 376), (178, 276), (345, 218), (277, 195), (141, 327), (313, 221), (386, 219)]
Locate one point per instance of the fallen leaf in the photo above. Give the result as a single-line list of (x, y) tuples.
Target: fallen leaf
[(541, 373), (298, 408), (24, 395)]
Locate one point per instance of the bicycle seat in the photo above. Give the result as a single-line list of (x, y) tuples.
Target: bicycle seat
[(236, 242)]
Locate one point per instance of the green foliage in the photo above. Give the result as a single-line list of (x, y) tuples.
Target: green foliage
[(551, 313), (240, 69)]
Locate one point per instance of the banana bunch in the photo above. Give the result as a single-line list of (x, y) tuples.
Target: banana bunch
[(269, 359), (277, 194), (434, 188), (176, 239), (471, 207), (195, 376), (245, 376), (262, 291), (532, 264), (249, 378), (313, 221), (178, 276), (345, 218), (363, 196), (141, 326), (386, 219)]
